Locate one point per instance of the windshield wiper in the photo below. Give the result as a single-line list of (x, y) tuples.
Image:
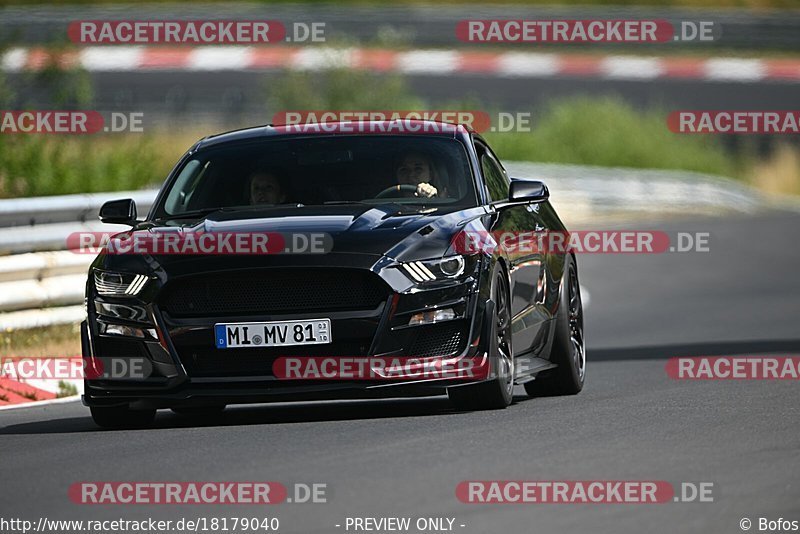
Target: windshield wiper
[(192, 214), (374, 203), (393, 209), (209, 211)]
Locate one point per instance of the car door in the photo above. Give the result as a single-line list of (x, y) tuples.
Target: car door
[(515, 228)]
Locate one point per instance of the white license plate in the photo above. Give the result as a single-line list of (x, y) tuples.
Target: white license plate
[(272, 334)]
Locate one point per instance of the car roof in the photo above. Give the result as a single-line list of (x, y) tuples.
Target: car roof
[(400, 127)]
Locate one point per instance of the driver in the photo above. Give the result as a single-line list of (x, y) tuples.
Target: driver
[(266, 188), (415, 168)]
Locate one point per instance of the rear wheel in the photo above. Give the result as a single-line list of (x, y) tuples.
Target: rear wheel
[(121, 417), (497, 393), (569, 349)]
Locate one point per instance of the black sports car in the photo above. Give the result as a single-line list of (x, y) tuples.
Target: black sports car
[(391, 279)]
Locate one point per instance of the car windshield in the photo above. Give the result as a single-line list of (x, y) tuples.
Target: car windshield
[(428, 171)]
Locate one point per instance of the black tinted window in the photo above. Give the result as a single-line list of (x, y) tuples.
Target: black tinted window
[(495, 178), (324, 169)]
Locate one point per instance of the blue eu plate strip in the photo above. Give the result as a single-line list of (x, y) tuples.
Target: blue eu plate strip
[(221, 336)]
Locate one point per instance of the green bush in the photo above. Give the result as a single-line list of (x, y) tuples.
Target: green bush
[(34, 165), (608, 132), (587, 131), (55, 164), (341, 89)]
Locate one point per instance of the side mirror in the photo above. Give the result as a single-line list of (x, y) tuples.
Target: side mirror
[(527, 191), (119, 212)]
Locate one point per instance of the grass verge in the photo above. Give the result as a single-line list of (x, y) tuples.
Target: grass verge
[(51, 341)]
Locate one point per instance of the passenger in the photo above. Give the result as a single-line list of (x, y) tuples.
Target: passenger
[(266, 188)]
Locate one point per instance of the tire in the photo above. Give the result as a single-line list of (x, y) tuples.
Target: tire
[(498, 393), (121, 417), (569, 347), (199, 411)]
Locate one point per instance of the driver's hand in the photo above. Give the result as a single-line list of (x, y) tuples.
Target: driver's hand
[(426, 190)]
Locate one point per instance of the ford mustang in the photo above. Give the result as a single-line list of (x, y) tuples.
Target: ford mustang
[(275, 259)]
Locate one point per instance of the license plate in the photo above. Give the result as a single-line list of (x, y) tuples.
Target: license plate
[(272, 334)]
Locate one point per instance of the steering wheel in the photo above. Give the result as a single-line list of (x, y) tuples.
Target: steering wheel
[(397, 188)]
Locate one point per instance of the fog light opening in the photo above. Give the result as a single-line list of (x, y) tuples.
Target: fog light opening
[(127, 331), (433, 316)]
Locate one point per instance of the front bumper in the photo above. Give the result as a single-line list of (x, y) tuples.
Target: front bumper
[(182, 367)]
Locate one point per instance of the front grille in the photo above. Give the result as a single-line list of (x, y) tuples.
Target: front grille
[(204, 362), (438, 340), (273, 291)]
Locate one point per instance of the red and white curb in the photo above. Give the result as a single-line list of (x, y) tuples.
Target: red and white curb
[(16, 392), (420, 62), (29, 393), (25, 393)]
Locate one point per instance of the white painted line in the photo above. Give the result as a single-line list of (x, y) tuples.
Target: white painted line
[(515, 64), (118, 58), (427, 62), (633, 68), (14, 60), (732, 69), (323, 58), (213, 58)]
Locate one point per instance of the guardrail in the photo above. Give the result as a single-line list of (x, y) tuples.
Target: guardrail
[(42, 284), (43, 223), (16, 212)]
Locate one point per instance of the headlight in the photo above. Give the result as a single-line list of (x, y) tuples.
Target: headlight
[(440, 269), (113, 284)]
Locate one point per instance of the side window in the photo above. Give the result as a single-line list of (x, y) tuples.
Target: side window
[(178, 198), (495, 178)]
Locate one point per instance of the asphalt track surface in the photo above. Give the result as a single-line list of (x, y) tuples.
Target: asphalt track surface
[(405, 458)]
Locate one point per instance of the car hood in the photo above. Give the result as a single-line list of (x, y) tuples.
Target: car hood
[(398, 233), (363, 230)]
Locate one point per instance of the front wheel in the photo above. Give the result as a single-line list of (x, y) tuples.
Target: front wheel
[(569, 348), (497, 393)]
